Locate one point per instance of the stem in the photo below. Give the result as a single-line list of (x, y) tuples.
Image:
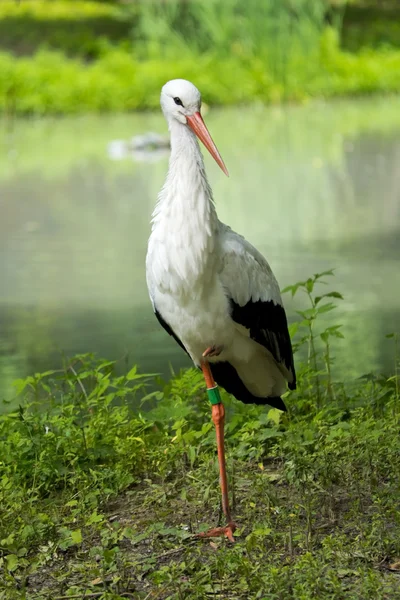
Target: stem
[(312, 348), (79, 382), (328, 370), (396, 372), (81, 427)]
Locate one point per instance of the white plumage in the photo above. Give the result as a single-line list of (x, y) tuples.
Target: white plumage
[(210, 287)]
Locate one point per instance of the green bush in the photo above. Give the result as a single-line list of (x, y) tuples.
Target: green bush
[(48, 83)]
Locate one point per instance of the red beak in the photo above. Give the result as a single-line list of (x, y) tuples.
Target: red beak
[(197, 125)]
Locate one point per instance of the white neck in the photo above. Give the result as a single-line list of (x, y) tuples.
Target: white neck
[(184, 220)]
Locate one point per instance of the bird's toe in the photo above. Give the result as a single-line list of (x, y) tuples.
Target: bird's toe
[(212, 351)]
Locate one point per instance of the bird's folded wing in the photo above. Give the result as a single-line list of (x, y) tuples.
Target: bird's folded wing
[(254, 297)]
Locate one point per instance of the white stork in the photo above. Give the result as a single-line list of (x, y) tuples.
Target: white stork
[(210, 288)]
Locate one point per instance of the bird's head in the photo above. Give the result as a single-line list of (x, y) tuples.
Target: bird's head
[(181, 102)]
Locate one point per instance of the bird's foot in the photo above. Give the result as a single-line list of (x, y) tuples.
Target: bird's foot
[(212, 351), (226, 531)]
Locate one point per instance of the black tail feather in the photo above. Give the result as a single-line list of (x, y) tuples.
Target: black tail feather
[(227, 377)]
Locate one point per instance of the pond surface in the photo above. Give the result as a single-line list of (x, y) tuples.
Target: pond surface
[(313, 187)]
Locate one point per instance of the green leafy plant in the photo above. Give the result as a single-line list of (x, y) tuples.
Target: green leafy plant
[(319, 305), (104, 478)]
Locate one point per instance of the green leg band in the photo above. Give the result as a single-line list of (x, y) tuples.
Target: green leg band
[(213, 395)]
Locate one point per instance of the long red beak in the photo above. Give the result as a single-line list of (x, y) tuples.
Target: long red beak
[(197, 125)]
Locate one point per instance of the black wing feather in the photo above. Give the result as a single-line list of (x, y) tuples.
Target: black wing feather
[(227, 377), (169, 329), (267, 324)]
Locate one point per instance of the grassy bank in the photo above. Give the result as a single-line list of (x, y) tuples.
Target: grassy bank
[(48, 83), (96, 57), (100, 499)]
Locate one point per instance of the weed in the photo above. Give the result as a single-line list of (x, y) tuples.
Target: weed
[(309, 338)]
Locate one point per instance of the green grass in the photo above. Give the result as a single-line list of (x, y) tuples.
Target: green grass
[(100, 497)]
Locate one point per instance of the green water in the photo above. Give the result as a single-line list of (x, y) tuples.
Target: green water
[(312, 187)]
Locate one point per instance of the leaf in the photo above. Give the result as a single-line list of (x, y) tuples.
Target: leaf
[(309, 285), (46, 374), (331, 332), (325, 308), (288, 288), (132, 373), (319, 275), (12, 562), (94, 518), (105, 363), (269, 433), (259, 532), (135, 539), (20, 385), (308, 314), (138, 439), (329, 295), (156, 395), (192, 455), (334, 295), (275, 415), (293, 288), (345, 573), (72, 503), (338, 334), (293, 328), (174, 531), (76, 536)]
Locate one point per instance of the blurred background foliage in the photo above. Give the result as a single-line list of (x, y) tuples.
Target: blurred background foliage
[(68, 56)]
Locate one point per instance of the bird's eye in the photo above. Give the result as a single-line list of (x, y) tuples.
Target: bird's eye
[(178, 101)]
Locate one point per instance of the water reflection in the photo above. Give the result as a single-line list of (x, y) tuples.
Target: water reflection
[(313, 187)]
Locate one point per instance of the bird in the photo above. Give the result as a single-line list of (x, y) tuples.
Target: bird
[(210, 289)]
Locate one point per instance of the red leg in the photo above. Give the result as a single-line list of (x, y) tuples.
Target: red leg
[(218, 416)]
